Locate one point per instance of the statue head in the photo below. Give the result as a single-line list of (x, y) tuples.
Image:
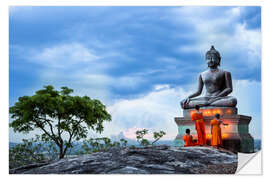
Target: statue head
[(213, 57)]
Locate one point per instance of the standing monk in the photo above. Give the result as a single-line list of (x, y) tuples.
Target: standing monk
[(199, 125), (216, 140)]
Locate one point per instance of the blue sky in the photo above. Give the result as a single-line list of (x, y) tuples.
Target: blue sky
[(139, 61)]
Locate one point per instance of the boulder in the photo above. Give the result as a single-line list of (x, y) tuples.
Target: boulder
[(142, 160)]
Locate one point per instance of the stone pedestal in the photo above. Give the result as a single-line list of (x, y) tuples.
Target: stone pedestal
[(235, 136)]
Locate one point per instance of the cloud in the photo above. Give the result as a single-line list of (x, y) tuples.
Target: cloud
[(79, 67), (238, 44), (248, 94), (130, 133), (154, 111), (63, 55), (140, 69)]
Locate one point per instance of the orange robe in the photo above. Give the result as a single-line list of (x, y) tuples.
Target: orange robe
[(200, 127), (188, 140), (216, 133)]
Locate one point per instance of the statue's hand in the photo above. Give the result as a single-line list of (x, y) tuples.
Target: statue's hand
[(186, 101), (210, 101)]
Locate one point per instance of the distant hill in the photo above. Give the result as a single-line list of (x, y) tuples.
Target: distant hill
[(12, 144), (78, 145)]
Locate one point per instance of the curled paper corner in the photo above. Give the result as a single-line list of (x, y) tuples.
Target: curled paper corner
[(249, 163)]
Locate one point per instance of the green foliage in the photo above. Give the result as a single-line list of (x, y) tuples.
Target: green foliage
[(55, 113), (32, 151), (100, 144), (157, 136), (139, 136), (124, 142), (144, 142), (116, 144), (25, 153)]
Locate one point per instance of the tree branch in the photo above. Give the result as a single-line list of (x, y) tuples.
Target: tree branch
[(48, 134), (156, 140), (71, 134), (69, 140), (51, 128), (59, 132)]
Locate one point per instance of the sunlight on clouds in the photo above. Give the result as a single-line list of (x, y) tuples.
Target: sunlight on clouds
[(154, 111), (130, 133)]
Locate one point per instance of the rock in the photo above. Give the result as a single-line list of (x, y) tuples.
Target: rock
[(128, 170), (143, 160)]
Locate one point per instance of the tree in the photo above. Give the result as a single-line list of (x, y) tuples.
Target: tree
[(157, 136), (139, 136), (124, 142), (58, 114)]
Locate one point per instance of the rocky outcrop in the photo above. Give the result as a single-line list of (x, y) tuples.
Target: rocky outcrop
[(147, 160)]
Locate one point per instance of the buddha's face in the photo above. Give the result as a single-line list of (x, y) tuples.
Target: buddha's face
[(212, 60)]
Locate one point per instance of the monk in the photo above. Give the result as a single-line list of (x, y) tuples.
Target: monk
[(188, 139), (199, 125), (216, 140)]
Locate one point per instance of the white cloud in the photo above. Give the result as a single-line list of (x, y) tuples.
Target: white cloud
[(222, 30), (80, 68), (236, 11), (161, 86), (249, 41), (64, 55), (248, 94), (154, 111), (127, 81)]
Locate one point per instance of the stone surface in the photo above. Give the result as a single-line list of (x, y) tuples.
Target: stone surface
[(148, 160), (235, 136)]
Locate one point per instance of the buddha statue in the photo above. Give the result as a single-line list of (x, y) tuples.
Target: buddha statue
[(218, 84)]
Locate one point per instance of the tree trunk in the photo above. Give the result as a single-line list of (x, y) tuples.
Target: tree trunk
[(61, 155), (61, 152)]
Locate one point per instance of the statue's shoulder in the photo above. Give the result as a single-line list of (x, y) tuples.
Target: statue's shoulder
[(224, 72), (202, 74)]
